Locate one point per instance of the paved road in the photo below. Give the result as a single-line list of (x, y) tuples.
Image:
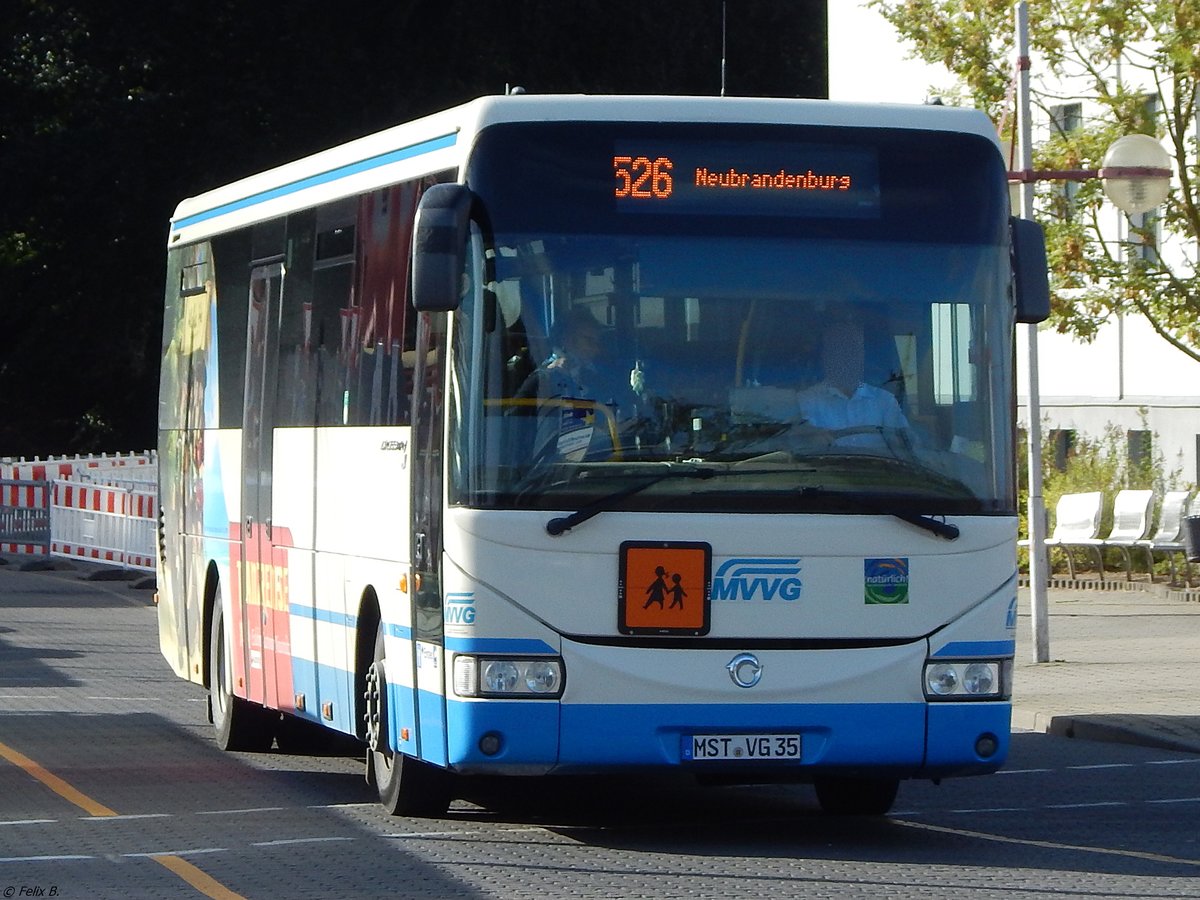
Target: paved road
[(1122, 666), (111, 787)]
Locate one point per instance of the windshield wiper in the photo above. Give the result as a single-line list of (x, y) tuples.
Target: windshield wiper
[(559, 524), (940, 527), (687, 469)]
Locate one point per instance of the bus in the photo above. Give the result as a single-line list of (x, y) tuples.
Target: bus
[(400, 505)]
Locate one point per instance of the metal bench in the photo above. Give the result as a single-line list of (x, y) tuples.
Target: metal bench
[(1077, 524), (1132, 518), (1168, 537)]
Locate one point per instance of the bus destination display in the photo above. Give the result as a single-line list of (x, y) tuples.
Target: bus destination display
[(765, 179)]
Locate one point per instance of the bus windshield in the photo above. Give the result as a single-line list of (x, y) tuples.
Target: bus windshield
[(836, 339)]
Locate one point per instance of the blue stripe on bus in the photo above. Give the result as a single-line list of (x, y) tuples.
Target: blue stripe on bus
[(323, 615), (889, 736), (309, 679), (498, 645), (931, 740), (364, 165), (977, 648), (832, 734), (954, 729), (404, 632)]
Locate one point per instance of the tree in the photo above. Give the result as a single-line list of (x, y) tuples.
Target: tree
[(112, 113), (1119, 54)]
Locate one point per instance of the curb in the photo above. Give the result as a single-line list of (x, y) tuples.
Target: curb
[(1159, 589), (1159, 732)]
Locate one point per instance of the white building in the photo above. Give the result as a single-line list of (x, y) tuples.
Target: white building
[(1128, 376)]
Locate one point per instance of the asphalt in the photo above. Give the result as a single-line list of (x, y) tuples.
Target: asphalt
[(1123, 660), (1122, 665)]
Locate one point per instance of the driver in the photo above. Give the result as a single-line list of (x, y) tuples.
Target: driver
[(579, 396), (841, 399)]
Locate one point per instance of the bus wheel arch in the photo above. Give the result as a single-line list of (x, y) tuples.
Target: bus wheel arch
[(407, 786), (369, 617), (210, 600), (238, 724)]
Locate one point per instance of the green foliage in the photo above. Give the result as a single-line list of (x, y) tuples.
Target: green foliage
[(1098, 46), (111, 113), (1094, 464)]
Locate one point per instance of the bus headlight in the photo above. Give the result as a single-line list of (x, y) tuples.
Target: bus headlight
[(481, 676), (968, 679)]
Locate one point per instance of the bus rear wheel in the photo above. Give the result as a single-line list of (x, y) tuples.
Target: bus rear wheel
[(856, 796), (237, 723), (407, 786)]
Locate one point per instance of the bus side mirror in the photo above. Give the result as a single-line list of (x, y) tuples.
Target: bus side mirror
[(440, 247), (1030, 271)]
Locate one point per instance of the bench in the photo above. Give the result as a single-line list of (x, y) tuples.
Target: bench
[(1168, 538), (1077, 524), (1132, 517)]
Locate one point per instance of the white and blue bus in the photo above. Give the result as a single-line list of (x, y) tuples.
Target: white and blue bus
[(398, 503)]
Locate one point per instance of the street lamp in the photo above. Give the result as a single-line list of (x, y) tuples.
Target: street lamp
[(1136, 174)]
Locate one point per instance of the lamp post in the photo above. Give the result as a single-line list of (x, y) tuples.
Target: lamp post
[(1136, 172)]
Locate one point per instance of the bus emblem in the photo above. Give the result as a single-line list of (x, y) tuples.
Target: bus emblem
[(745, 670)]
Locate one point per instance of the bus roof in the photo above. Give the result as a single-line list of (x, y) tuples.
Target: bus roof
[(441, 142)]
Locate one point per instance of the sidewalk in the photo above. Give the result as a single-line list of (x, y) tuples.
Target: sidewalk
[(1124, 666)]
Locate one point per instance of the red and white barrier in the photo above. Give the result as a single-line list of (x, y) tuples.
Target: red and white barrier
[(104, 523), (103, 508), (25, 517), (53, 467)]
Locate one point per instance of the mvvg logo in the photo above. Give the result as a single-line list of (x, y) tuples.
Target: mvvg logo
[(460, 609), (757, 579)]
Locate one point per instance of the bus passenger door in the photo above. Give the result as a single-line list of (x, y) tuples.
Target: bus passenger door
[(261, 584), (427, 477)]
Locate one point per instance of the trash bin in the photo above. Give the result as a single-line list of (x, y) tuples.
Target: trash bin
[(1191, 537)]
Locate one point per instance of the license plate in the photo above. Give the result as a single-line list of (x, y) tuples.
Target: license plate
[(706, 747)]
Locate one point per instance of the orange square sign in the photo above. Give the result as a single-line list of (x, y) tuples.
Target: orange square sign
[(664, 587)]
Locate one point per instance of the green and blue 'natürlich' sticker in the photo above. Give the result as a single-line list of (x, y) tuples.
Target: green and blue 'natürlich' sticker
[(885, 581)]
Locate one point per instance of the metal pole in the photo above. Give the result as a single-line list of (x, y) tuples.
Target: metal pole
[(1038, 567), (723, 33)]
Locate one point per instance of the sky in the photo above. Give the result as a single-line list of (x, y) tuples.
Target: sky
[(857, 33)]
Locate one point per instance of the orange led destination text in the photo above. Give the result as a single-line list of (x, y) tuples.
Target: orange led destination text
[(642, 177), (779, 181)]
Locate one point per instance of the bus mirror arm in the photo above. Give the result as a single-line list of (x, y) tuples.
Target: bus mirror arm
[(440, 247)]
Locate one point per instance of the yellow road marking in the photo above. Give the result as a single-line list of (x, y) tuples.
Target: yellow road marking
[(56, 784), (1050, 845), (201, 881)]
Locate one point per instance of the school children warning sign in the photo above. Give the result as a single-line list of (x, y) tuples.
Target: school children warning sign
[(664, 588)]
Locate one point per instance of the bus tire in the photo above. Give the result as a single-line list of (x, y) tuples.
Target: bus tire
[(237, 724), (856, 796), (407, 786)]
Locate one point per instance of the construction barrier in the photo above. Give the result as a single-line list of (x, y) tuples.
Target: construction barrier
[(76, 466), (24, 516), (103, 508), (104, 523)]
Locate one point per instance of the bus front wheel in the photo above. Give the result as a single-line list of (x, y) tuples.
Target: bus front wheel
[(856, 796), (407, 786), (237, 724)]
